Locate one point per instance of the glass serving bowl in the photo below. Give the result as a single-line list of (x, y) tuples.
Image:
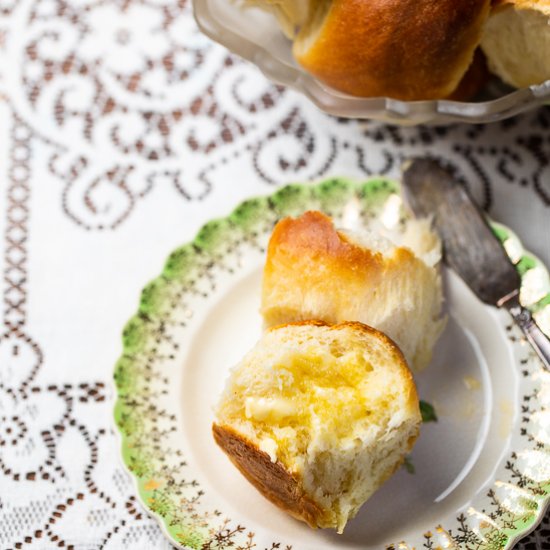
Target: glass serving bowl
[(255, 36)]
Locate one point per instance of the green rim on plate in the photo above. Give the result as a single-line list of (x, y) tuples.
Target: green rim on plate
[(152, 348)]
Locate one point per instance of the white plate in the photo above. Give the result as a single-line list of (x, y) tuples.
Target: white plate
[(482, 472)]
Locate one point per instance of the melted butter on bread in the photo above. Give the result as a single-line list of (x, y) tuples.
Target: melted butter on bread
[(262, 408)]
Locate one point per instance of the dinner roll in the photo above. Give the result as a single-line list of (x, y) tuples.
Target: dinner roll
[(403, 49), (317, 417), (516, 41), (313, 271)]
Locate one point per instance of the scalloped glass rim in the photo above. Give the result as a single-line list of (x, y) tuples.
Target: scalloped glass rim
[(284, 71)]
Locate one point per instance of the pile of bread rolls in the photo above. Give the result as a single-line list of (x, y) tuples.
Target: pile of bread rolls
[(417, 49)]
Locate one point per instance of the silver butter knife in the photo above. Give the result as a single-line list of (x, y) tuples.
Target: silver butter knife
[(470, 246)]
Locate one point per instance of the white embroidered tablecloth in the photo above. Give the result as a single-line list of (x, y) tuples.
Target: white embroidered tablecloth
[(123, 130)]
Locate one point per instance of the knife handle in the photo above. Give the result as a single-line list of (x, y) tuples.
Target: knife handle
[(523, 318)]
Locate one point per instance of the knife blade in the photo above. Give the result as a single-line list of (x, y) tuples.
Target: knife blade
[(470, 246)]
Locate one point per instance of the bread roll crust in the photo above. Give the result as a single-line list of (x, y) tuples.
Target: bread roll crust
[(272, 479), (404, 49)]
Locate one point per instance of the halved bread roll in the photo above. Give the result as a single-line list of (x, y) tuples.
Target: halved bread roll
[(516, 41), (403, 49), (317, 417), (313, 271)]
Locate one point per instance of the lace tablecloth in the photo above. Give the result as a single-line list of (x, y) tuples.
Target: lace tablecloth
[(122, 130)]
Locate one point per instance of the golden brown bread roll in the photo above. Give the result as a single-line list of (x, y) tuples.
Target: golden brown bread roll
[(317, 417), (313, 271), (403, 49), (516, 41)]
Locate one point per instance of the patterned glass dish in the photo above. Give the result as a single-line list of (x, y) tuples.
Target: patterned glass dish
[(482, 471), (254, 35)]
